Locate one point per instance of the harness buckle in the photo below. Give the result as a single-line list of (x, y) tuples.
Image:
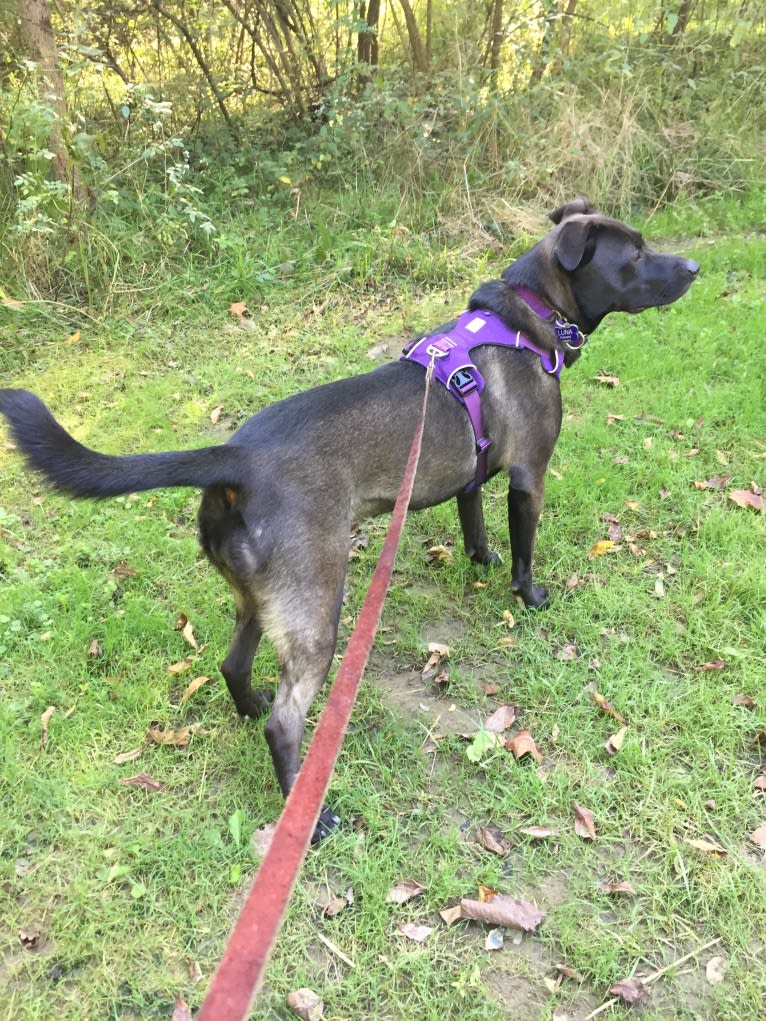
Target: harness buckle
[(440, 348), (463, 382)]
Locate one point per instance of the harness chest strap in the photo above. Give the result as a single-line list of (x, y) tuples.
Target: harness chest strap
[(450, 354)]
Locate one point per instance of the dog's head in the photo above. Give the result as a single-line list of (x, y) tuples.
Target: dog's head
[(590, 265)]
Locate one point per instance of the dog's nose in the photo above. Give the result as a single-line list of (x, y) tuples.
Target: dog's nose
[(693, 267)]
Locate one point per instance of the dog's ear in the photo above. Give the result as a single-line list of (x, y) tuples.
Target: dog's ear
[(572, 245), (579, 205)]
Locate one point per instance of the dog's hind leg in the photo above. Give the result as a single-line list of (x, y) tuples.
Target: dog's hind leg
[(238, 665)]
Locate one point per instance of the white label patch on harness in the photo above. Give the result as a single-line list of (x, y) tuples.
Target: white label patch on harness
[(475, 324)]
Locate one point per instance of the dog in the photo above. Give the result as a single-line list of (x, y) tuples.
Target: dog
[(280, 497)]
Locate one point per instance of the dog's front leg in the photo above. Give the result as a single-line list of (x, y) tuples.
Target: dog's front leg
[(525, 503), (471, 514)]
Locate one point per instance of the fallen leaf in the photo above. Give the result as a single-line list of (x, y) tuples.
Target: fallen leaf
[(334, 907), (611, 889), (215, 414), (451, 915), (45, 719), (193, 686), (501, 719), (238, 309), (182, 1010), (706, 846), (612, 418), (509, 619), (418, 933), (715, 970), (717, 664), (439, 555), (630, 989), (182, 666), (122, 570), (30, 940), (438, 652), (403, 891), (491, 689), (523, 744), (614, 743), (495, 939), (94, 649), (564, 969), (141, 780), (717, 482), (606, 380), (598, 549), (760, 781), (178, 738), (607, 707), (130, 756), (539, 832), (186, 628), (504, 910), (572, 582), (73, 338), (486, 893), (492, 838), (305, 1004), (584, 824), (748, 498), (759, 836), (744, 700), (568, 653)]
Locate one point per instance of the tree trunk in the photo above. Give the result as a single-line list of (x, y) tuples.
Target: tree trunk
[(367, 44), (495, 35), (39, 45), (416, 43)]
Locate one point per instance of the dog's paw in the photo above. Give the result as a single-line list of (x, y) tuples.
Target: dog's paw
[(256, 703), (326, 823), (534, 596), (487, 558)]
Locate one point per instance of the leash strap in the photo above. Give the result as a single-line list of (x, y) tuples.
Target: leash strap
[(241, 968)]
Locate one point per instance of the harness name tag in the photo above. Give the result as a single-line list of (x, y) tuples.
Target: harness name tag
[(567, 333)]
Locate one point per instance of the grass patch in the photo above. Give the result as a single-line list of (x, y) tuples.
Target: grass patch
[(116, 899)]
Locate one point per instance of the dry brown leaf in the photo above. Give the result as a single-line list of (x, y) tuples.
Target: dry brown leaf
[(451, 915), (238, 309), (504, 910), (141, 780), (177, 738), (706, 846), (564, 969), (182, 1010), (130, 756), (606, 380), (491, 689), (607, 707), (29, 939), (584, 824), (539, 832), (630, 989), (759, 836), (493, 839), (182, 666), (418, 933), (717, 664), (193, 686), (122, 570), (439, 555), (760, 781), (215, 414), (438, 651), (717, 482), (752, 497), (45, 719), (614, 743), (73, 338), (501, 719), (94, 649), (509, 618), (305, 1004), (572, 582), (187, 630), (523, 744), (403, 891), (617, 888), (744, 700)]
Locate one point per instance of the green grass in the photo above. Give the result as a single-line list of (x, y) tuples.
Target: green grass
[(131, 893)]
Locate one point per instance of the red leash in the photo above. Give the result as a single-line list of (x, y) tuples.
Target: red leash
[(240, 971)]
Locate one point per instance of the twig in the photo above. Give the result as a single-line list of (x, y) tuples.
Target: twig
[(654, 976), (335, 950)]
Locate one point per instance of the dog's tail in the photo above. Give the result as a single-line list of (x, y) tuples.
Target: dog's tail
[(79, 471)]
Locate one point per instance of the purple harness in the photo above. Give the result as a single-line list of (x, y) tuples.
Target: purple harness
[(451, 356)]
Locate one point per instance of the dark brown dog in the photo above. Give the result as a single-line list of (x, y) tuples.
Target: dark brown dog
[(280, 497)]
